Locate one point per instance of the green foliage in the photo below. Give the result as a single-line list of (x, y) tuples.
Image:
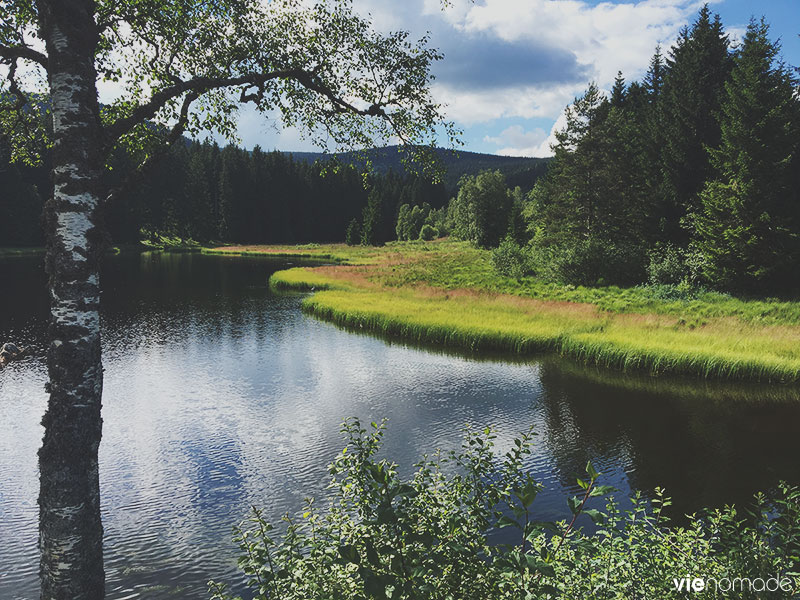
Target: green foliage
[(481, 211), (428, 233), (748, 228), (187, 67), (589, 262), (511, 259), (419, 222), (697, 164), (697, 67), (595, 192), (353, 235), (667, 266), (383, 536)]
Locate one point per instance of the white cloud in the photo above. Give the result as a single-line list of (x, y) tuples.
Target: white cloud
[(544, 148), (603, 39), (515, 141)]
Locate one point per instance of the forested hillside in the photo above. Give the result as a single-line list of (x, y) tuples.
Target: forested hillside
[(203, 192), (519, 171)]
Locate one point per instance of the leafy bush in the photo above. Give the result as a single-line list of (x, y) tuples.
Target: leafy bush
[(352, 236), (590, 262), (666, 266), (428, 233), (382, 536), (511, 259), (674, 291)]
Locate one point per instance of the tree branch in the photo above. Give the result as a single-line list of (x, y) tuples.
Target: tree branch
[(12, 53), (175, 133), (200, 85)]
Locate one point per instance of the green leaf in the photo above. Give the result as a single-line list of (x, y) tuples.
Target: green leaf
[(602, 490), (595, 515), (529, 493), (574, 504), (350, 553), (506, 521)]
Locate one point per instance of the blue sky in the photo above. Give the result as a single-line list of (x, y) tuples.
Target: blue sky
[(511, 66)]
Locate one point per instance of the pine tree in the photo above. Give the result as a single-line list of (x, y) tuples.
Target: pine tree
[(617, 99), (748, 228), (654, 78), (698, 66)]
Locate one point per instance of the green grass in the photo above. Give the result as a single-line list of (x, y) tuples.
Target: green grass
[(446, 293)]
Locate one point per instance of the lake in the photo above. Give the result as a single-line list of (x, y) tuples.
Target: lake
[(220, 395)]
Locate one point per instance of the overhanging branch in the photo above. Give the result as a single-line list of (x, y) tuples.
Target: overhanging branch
[(172, 137), (13, 53), (201, 85)]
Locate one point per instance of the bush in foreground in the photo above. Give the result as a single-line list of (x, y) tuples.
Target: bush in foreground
[(382, 536)]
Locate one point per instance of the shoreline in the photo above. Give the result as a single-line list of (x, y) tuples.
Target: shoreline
[(353, 296)]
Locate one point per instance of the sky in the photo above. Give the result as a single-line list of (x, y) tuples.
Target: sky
[(510, 67)]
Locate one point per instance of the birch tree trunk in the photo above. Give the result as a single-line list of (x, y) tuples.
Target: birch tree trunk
[(70, 530)]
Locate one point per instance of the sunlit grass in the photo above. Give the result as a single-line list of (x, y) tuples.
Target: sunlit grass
[(446, 293), (719, 350)]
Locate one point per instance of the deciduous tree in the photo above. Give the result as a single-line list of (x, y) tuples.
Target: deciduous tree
[(180, 66)]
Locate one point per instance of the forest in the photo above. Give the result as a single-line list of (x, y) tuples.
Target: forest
[(688, 178), (204, 192)]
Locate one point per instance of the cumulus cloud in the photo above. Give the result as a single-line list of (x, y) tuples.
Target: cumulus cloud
[(529, 58), (481, 61), (516, 141), (519, 59)]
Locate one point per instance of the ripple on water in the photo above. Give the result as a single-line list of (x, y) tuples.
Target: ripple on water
[(219, 396)]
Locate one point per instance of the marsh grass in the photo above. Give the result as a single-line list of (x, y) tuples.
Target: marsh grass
[(446, 293)]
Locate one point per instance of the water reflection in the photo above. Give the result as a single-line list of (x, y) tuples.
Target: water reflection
[(220, 395)]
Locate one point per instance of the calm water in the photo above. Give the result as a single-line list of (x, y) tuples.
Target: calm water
[(220, 395)]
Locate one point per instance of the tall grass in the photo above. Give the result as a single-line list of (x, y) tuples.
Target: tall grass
[(718, 350), (446, 293)]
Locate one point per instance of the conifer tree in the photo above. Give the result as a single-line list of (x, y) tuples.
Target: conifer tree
[(748, 228), (617, 99), (698, 66), (654, 78)]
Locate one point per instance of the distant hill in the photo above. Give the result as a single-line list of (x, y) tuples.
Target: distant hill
[(519, 171)]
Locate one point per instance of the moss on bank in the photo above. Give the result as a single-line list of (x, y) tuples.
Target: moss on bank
[(446, 293)]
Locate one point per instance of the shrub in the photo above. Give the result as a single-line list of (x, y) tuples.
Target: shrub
[(666, 266), (511, 259), (382, 536), (353, 235), (590, 262), (428, 233)]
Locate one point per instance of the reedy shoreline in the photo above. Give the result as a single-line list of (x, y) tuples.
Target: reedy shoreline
[(401, 291)]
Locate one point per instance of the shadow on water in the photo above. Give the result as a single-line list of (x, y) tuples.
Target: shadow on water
[(220, 394)]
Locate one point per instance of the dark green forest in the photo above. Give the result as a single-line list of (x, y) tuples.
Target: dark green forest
[(688, 178), (204, 192)]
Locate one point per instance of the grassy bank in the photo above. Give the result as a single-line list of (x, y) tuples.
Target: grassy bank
[(447, 293)]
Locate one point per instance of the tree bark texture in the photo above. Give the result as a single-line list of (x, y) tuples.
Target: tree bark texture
[(70, 529)]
